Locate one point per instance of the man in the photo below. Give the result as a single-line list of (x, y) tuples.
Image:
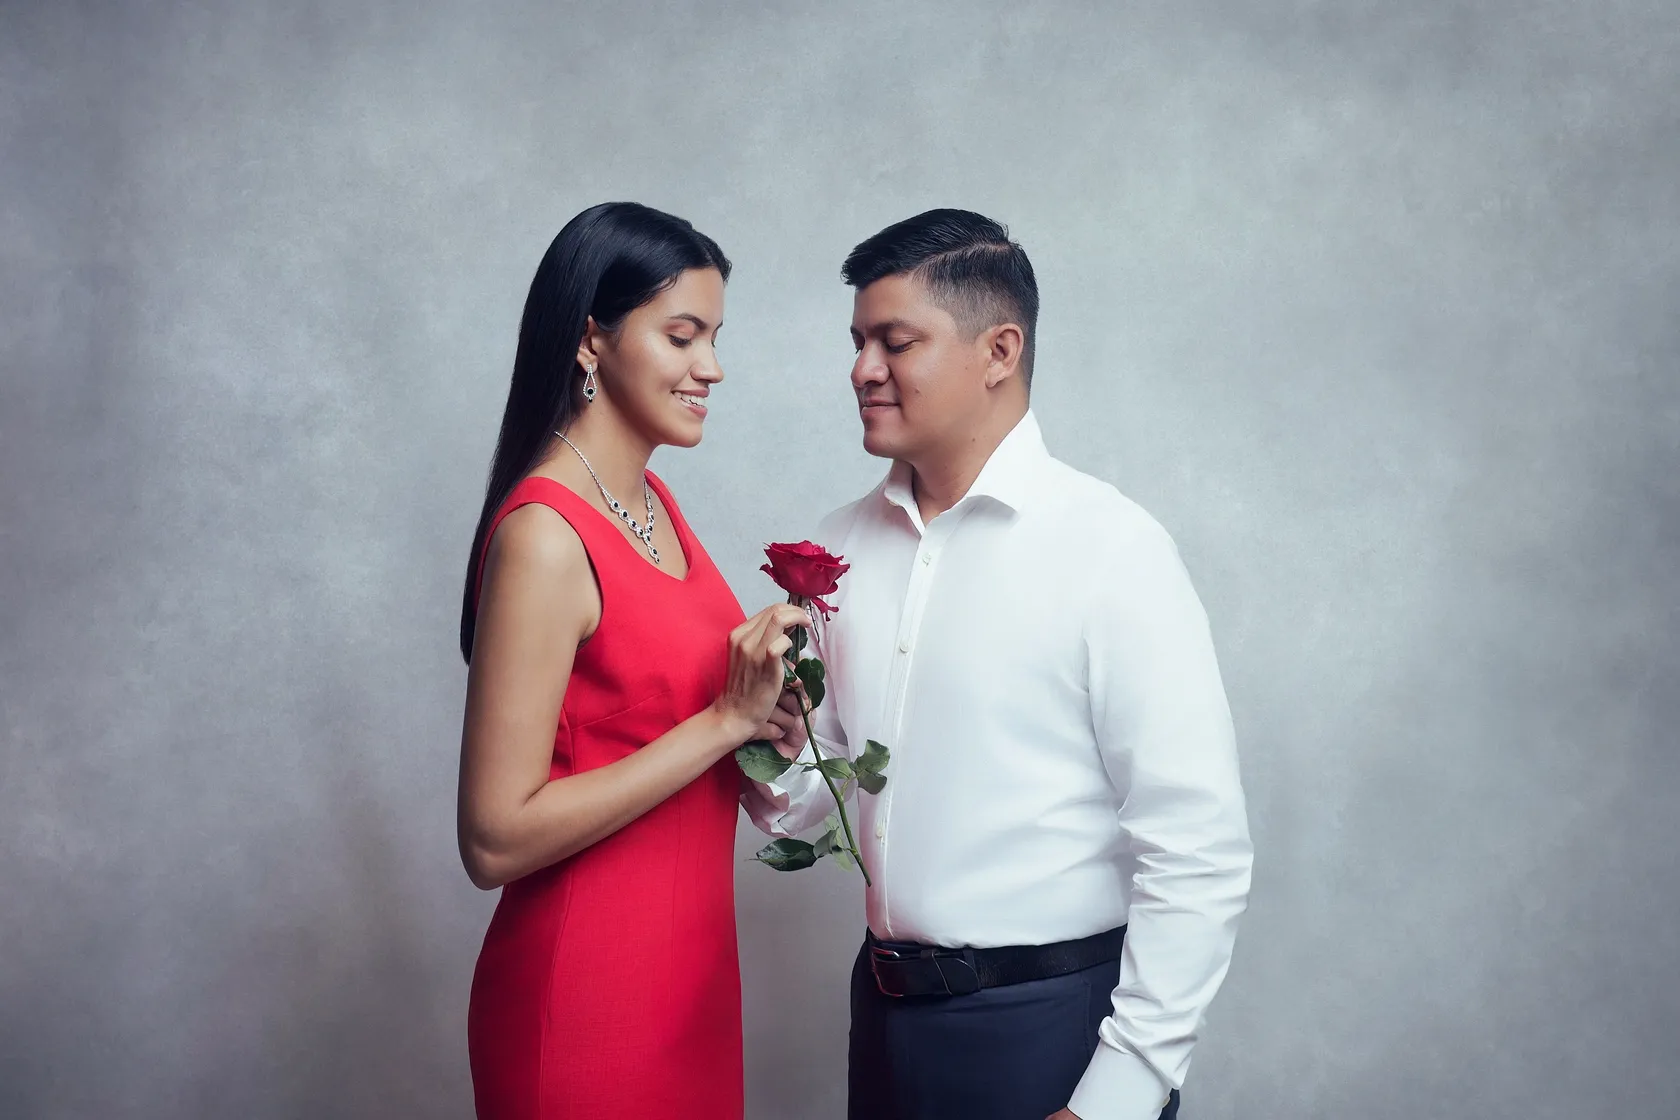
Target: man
[(1061, 852)]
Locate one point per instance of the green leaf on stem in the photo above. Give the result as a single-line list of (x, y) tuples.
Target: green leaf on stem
[(812, 668), (843, 858), (838, 769), (787, 854), (761, 761), (874, 758), (800, 637), (871, 783), (829, 843), (812, 674)]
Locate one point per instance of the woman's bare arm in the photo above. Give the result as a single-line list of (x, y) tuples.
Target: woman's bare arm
[(539, 601)]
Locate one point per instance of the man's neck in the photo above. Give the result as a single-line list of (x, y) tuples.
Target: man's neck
[(941, 480)]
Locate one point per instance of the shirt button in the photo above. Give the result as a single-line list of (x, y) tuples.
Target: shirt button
[(904, 645), (927, 557), (880, 829)]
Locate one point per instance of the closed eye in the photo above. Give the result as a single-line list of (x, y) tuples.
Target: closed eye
[(679, 342)]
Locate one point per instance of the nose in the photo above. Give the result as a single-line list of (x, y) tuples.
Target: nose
[(869, 369), (707, 369)]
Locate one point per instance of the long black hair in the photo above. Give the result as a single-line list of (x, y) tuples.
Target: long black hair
[(605, 263)]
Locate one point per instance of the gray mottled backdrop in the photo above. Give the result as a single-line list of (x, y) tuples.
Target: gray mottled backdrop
[(1375, 306)]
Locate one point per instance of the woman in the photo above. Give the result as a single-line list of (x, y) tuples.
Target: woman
[(611, 676)]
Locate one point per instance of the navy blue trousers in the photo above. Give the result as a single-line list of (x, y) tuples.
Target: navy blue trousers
[(1009, 1053)]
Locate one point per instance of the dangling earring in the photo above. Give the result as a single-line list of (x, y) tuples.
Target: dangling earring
[(589, 385)]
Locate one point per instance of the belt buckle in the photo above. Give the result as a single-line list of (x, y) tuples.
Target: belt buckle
[(957, 972), (879, 954), (955, 968)]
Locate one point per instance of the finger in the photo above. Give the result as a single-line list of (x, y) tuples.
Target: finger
[(789, 701), (778, 625), (747, 626), (742, 643), (788, 616), (771, 732), (785, 616), (781, 615), (760, 627), (775, 652), (774, 616), (769, 619)]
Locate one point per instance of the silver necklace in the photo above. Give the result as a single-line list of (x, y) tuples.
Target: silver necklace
[(645, 532)]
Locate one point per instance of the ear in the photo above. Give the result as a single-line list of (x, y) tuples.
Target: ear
[(1004, 345), (589, 347)]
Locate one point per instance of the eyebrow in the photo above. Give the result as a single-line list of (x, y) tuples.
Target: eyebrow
[(890, 325), (699, 323)]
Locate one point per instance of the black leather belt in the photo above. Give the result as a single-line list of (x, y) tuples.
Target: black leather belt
[(904, 968)]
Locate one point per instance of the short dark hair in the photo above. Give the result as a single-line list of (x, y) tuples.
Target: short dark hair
[(969, 264)]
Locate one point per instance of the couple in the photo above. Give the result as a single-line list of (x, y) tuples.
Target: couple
[(1061, 852)]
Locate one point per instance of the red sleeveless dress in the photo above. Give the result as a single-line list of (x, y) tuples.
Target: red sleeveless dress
[(609, 983)]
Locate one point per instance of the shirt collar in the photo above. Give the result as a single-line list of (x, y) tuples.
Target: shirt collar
[(1007, 477)]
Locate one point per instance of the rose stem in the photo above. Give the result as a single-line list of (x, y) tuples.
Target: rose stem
[(811, 737)]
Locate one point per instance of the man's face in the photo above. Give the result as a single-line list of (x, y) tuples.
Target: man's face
[(920, 379)]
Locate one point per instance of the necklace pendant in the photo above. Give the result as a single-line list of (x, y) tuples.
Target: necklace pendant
[(643, 532)]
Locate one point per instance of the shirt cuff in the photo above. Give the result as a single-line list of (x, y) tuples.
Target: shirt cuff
[(1119, 1086), (781, 795), (793, 779)]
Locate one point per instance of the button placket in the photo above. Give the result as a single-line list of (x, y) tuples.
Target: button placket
[(910, 621)]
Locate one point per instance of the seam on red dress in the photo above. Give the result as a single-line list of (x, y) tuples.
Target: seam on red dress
[(666, 691), (548, 999)]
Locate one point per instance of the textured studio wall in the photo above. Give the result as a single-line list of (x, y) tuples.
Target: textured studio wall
[(1375, 306)]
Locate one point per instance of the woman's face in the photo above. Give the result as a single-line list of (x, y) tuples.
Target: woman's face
[(659, 366)]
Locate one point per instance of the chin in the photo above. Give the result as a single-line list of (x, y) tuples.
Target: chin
[(882, 446), (881, 440), (686, 432), (684, 429)]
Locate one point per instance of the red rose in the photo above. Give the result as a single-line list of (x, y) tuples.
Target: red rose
[(805, 571)]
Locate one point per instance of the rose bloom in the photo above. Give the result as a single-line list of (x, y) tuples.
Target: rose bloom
[(805, 570)]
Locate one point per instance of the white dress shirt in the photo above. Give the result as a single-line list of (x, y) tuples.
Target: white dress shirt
[(1041, 669)]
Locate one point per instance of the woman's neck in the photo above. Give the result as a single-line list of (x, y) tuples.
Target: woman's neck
[(618, 453)]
